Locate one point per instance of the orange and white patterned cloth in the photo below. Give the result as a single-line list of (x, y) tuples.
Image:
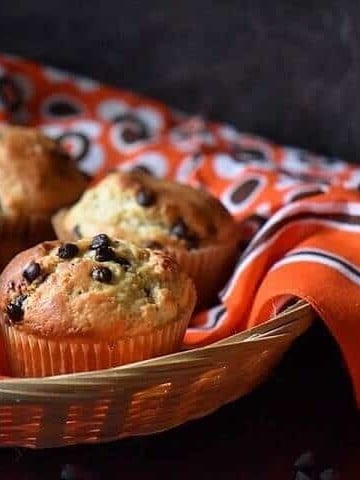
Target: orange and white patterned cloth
[(301, 212)]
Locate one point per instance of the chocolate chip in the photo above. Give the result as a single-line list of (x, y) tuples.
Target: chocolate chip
[(100, 240), (147, 291), (32, 272), (145, 198), (77, 231), (101, 274), (67, 251), (179, 229), (15, 310), (104, 254), (153, 245), (124, 262)]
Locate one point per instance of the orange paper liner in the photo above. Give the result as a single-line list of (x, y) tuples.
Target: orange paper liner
[(18, 233), (32, 356), (209, 268)]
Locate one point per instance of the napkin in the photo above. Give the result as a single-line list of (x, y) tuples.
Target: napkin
[(299, 212)]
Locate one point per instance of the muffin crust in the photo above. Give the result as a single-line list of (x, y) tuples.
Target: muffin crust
[(36, 175), (94, 292), (148, 211)]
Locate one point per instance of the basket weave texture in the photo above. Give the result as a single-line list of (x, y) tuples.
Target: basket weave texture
[(146, 397)]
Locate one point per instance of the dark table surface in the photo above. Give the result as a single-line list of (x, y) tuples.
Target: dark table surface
[(283, 69), (307, 405)]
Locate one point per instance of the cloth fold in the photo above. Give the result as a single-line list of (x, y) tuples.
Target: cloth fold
[(299, 212)]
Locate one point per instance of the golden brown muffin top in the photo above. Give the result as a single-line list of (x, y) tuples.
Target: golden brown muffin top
[(93, 289), (36, 175), (148, 211)]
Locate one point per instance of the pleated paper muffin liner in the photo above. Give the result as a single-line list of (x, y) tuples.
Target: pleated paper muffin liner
[(209, 267), (32, 356), (18, 233)]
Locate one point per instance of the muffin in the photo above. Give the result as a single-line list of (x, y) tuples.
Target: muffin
[(92, 304), (36, 178), (163, 215)]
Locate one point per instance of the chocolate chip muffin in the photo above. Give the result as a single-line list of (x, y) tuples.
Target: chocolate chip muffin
[(162, 215), (92, 304), (36, 178)]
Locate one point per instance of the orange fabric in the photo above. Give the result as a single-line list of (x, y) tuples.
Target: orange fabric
[(300, 212)]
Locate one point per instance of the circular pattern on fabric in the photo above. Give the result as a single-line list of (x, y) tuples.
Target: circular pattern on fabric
[(152, 118), (108, 110), (76, 143), (131, 130), (11, 96), (192, 132), (132, 127), (353, 180), (128, 130), (25, 85), (229, 133), (153, 162), (60, 76), (240, 196), (249, 155), (302, 192), (226, 167), (264, 209), (61, 106), (88, 154), (285, 181), (244, 191), (81, 141), (85, 84), (187, 167), (302, 161), (55, 75), (320, 162)]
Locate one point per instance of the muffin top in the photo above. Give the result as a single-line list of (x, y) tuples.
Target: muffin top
[(93, 289), (36, 175), (148, 211)]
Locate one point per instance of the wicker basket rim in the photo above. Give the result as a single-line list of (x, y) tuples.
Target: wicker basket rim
[(270, 329)]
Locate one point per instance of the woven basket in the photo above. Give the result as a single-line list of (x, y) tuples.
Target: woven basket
[(145, 397)]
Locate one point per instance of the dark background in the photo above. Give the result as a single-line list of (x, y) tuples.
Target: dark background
[(285, 69), (291, 73)]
